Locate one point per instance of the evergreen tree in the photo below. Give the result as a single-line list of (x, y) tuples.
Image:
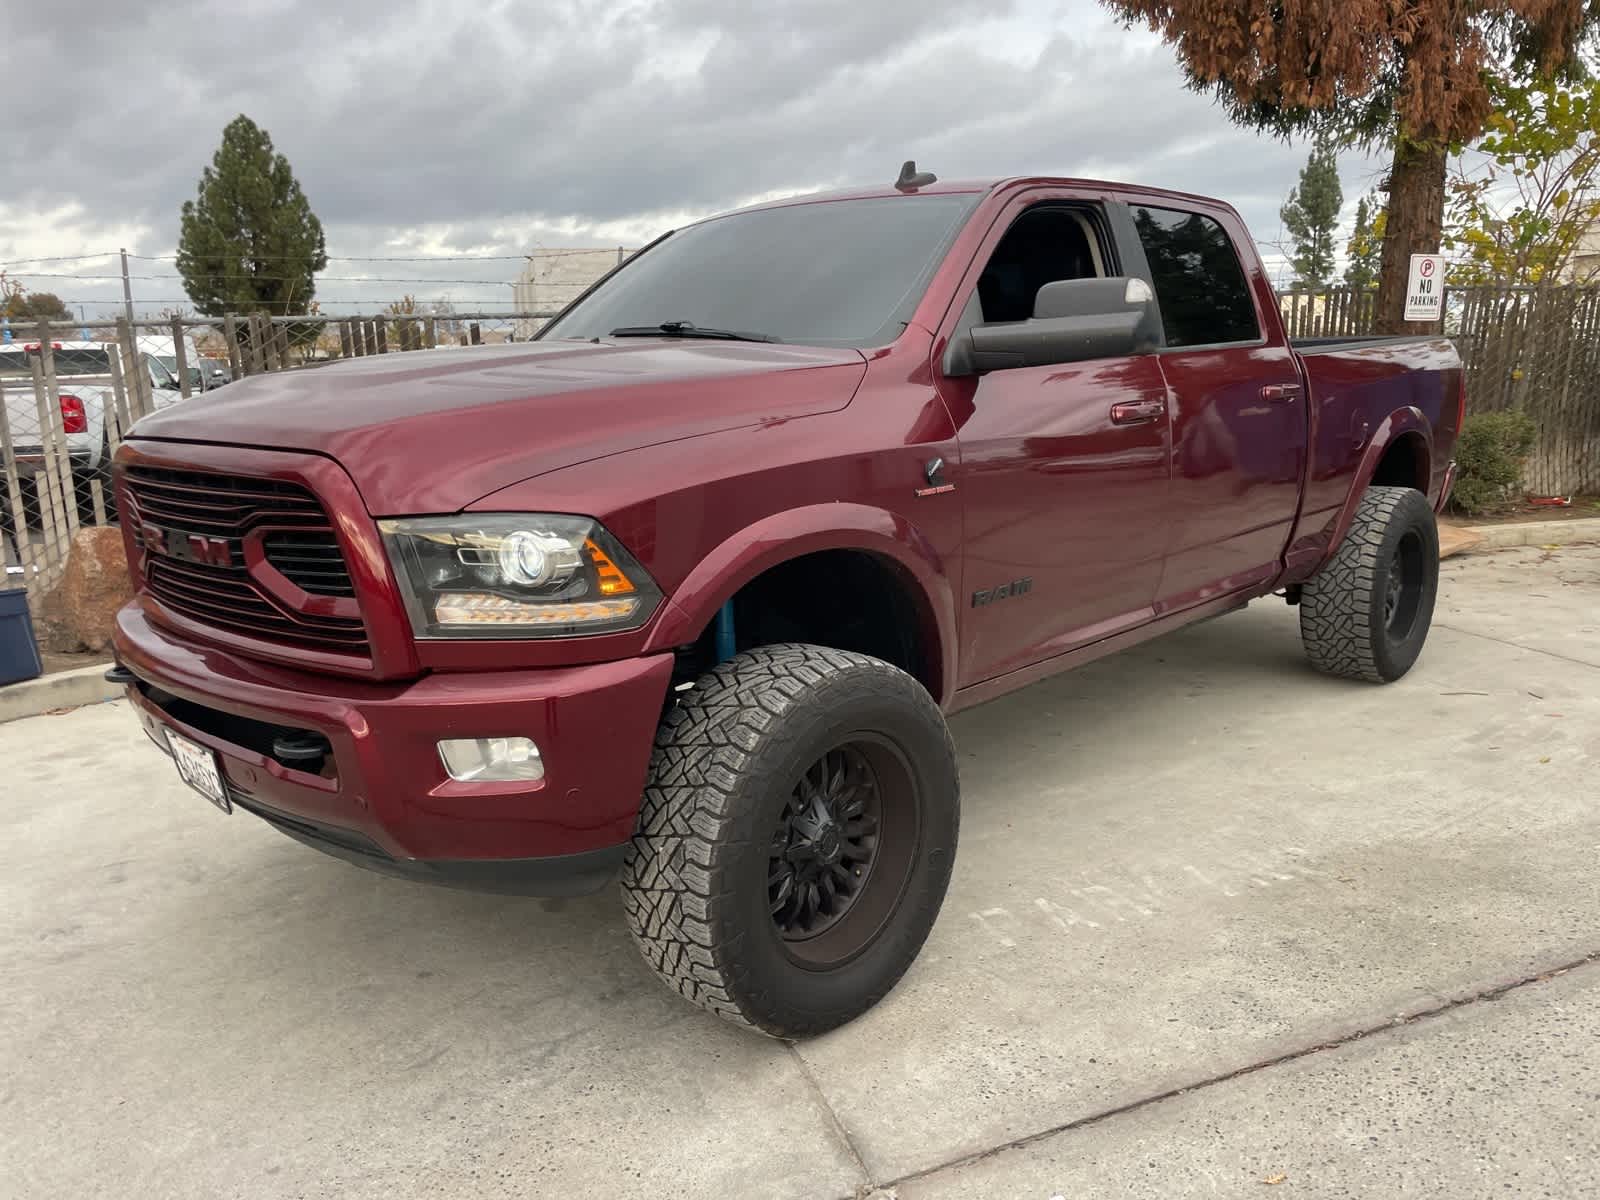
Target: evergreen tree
[(249, 241), (1311, 215), (1364, 250)]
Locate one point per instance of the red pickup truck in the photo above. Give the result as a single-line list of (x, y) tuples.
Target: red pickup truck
[(686, 587)]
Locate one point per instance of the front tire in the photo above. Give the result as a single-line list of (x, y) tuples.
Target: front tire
[(796, 837), (1366, 614)]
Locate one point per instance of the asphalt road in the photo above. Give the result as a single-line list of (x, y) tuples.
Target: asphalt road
[(1216, 922)]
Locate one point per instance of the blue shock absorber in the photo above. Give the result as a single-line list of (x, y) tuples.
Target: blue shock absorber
[(726, 646)]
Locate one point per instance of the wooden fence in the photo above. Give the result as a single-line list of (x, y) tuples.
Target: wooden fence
[(1332, 312), (1533, 348), (1537, 349)]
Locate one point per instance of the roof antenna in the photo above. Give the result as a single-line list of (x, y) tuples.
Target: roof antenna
[(911, 178)]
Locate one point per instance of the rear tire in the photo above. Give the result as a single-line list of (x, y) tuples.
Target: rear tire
[(796, 837), (1366, 614)]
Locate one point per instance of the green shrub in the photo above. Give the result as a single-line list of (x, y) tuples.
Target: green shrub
[(1489, 458)]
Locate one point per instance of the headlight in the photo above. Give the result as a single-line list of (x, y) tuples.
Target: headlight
[(516, 576)]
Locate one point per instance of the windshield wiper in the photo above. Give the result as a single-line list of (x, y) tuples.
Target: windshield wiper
[(688, 329)]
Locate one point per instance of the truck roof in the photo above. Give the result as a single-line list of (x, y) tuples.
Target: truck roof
[(970, 186)]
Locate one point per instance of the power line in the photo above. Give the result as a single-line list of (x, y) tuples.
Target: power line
[(147, 300), (279, 278), (440, 258)]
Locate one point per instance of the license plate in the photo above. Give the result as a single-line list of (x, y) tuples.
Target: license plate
[(198, 767)]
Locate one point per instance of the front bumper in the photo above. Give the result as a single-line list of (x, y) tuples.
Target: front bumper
[(381, 797)]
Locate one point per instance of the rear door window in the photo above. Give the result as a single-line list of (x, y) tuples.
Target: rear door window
[(18, 364), (1200, 287), (82, 362)]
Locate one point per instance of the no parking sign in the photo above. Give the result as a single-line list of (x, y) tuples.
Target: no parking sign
[(1425, 288)]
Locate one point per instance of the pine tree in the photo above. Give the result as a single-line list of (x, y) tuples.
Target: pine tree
[(1364, 250), (249, 241), (1410, 75), (1311, 215)]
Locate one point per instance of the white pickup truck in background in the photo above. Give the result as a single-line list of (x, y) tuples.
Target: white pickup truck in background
[(83, 381)]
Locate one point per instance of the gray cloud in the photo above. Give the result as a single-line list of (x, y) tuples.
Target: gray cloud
[(492, 127)]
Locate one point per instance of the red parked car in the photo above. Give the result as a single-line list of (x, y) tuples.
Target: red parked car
[(686, 587)]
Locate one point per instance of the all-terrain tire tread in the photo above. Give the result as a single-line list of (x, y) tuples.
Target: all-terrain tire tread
[(1335, 604), (691, 818)]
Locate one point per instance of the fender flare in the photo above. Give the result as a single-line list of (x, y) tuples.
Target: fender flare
[(795, 532), (1397, 424)]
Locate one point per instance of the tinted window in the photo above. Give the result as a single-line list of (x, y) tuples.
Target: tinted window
[(1199, 285), (839, 273)]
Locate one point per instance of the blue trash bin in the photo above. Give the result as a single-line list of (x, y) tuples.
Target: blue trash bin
[(19, 652)]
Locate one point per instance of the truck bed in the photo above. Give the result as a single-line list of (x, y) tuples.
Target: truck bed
[(1357, 384)]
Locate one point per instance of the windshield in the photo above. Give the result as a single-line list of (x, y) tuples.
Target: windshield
[(835, 273)]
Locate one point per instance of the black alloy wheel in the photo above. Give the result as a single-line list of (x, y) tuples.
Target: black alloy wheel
[(1403, 591), (838, 859)]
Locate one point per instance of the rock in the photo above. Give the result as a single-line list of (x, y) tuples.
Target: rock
[(79, 613)]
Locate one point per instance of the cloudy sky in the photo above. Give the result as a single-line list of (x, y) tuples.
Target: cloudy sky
[(426, 128)]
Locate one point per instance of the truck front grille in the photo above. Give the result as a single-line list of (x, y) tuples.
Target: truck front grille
[(310, 559), (192, 527)]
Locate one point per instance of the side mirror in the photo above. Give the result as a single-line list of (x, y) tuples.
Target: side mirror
[(1073, 320), (171, 385)]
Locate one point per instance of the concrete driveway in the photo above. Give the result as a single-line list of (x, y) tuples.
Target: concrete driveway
[(1216, 922)]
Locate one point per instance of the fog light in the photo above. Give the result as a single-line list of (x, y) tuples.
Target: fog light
[(492, 760)]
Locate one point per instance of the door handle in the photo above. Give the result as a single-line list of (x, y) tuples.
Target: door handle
[(1280, 391), (1136, 412)]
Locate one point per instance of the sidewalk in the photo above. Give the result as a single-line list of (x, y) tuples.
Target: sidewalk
[(57, 689)]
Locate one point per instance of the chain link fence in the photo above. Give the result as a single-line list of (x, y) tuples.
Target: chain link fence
[(69, 394)]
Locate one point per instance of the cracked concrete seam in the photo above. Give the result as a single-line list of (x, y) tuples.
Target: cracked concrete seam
[(885, 1190)]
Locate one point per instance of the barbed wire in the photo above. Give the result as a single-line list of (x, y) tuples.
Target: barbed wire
[(64, 257)]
